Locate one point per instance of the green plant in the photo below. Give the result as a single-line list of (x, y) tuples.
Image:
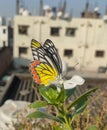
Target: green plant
[(65, 115)]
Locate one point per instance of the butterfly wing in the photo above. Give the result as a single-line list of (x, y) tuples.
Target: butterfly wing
[(47, 53), (37, 50), (42, 69), (53, 54), (36, 77), (42, 72)]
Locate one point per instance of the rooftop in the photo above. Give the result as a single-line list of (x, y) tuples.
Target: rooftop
[(19, 87)]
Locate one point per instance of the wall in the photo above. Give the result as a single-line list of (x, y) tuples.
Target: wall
[(90, 36), (3, 36)]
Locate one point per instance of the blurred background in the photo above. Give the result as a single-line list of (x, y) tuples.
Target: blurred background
[(77, 28)]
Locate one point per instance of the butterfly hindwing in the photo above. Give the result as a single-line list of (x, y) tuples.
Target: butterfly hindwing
[(42, 73), (36, 77)]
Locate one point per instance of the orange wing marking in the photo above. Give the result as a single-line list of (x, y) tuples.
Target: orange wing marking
[(34, 74)]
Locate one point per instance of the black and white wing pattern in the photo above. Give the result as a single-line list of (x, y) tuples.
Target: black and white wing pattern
[(37, 50), (52, 52), (46, 53)]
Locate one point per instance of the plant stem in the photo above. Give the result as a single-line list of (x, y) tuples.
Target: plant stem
[(67, 124), (67, 121)]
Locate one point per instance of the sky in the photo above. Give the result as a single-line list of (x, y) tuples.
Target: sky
[(8, 7)]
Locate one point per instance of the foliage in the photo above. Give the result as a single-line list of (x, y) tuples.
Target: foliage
[(64, 117), (83, 121)]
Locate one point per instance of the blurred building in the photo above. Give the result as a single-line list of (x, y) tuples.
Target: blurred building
[(6, 32), (79, 41), (5, 60), (90, 13)]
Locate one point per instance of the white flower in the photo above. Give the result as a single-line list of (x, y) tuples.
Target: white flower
[(73, 82), (69, 84)]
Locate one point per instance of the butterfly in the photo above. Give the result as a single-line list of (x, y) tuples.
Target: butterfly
[(47, 66)]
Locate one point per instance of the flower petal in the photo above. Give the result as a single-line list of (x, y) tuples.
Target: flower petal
[(73, 82)]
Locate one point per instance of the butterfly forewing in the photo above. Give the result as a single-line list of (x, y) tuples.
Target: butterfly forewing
[(53, 54), (38, 52)]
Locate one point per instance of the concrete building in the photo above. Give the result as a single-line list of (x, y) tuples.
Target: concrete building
[(81, 42), (6, 33)]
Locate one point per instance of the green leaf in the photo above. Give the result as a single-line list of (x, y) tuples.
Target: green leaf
[(38, 104), (61, 95), (81, 98), (92, 128), (80, 107), (39, 114), (69, 92), (50, 94), (81, 103)]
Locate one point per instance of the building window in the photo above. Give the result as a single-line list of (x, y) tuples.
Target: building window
[(68, 52), (99, 53), (54, 31), (90, 25), (23, 29), (70, 31), (4, 31), (22, 50)]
